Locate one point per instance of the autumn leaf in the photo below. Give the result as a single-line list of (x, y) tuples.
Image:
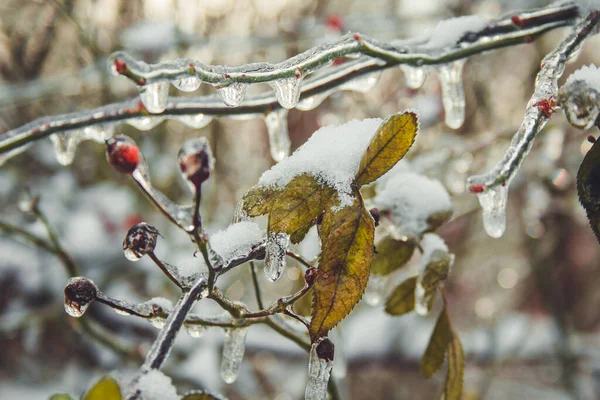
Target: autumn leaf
[(301, 201), (436, 270), (434, 355), (392, 140), (588, 187), (344, 266), (402, 299), (456, 370), (300, 234), (105, 389), (391, 254), (259, 200)]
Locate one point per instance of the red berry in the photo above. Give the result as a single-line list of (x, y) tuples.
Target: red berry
[(196, 162), (334, 22), (476, 188), (120, 66), (123, 154)]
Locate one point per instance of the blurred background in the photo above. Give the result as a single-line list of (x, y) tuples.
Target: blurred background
[(525, 306)]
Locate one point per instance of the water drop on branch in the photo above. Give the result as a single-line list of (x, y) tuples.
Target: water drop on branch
[(139, 241), (493, 202), (453, 95), (154, 96), (188, 84), (275, 254), (65, 146), (279, 141), (233, 353), (414, 76), (287, 90), (232, 94), (80, 292), (320, 363)]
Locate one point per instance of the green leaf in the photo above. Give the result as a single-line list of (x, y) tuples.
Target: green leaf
[(402, 299), (456, 370), (437, 219), (435, 353), (392, 140), (105, 389), (259, 200), (344, 265), (200, 395), (435, 271), (588, 187), (391, 254), (301, 201), (60, 396)]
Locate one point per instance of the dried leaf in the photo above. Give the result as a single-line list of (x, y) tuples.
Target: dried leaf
[(391, 254), (436, 270), (456, 370), (300, 202), (435, 353), (258, 200), (402, 299), (390, 143), (588, 187), (344, 265), (200, 395), (105, 389), (300, 234)]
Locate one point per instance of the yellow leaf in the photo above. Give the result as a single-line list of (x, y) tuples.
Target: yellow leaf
[(391, 254), (392, 140), (456, 370), (435, 271), (105, 389), (259, 200), (344, 265), (588, 187), (300, 234), (402, 299), (301, 201), (434, 355)]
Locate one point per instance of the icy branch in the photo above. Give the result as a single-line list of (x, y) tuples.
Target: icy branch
[(492, 187), (198, 111)]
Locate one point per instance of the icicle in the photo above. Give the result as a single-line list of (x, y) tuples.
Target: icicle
[(275, 253), (155, 96), (195, 330), (362, 84), (239, 214), (312, 102), (233, 353), (320, 363), (145, 123), (232, 94), (287, 90), (279, 141), (414, 76), (375, 289), (189, 84), (79, 294), (195, 121), (453, 95), (493, 202), (65, 145)]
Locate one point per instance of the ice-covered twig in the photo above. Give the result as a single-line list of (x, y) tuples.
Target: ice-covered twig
[(492, 187), (500, 33)]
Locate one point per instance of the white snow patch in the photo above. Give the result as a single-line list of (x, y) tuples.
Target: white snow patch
[(447, 32), (155, 385), (332, 155), (237, 239), (589, 74), (165, 304), (412, 198), (431, 244), (588, 5)]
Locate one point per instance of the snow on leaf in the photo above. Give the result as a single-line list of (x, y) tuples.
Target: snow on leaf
[(344, 267), (588, 187), (434, 355), (391, 254), (105, 389), (236, 240), (402, 298), (393, 139), (456, 369)]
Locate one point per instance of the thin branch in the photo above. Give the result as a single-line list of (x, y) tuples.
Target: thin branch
[(61, 253), (257, 291), (498, 34), (299, 258), (166, 271), (280, 306)]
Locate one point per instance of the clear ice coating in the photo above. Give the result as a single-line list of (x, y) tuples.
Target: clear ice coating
[(312, 102), (375, 290), (277, 127), (287, 90), (453, 96), (319, 371), (157, 322), (65, 146), (195, 121), (275, 254), (80, 292), (194, 330), (154, 96), (189, 84), (362, 84), (233, 353), (493, 202), (414, 76), (145, 123), (232, 94)]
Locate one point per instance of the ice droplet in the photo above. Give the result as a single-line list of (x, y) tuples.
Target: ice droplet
[(189, 84), (275, 253), (375, 290), (493, 202), (233, 353), (65, 145), (145, 123), (157, 322), (312, 102), (421, 302), (75, 310), (80, 292), (195, 330), (362, 84), (414, 76), (319, 371), (287, 90), (195, 121), (453, 95), (155, 96), (279, 141), (139, 241), (232, 94)]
